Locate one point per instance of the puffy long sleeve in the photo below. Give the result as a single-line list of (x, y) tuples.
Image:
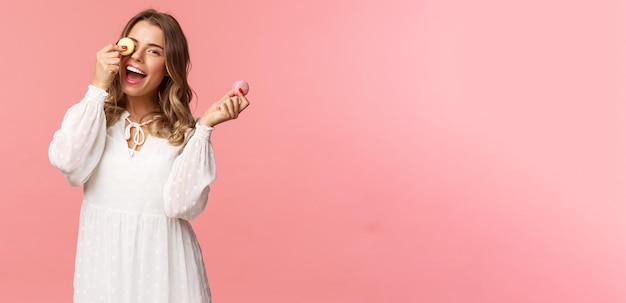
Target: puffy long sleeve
[(187, 188), (77, 147)]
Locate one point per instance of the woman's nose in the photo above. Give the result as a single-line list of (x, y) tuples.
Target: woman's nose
[(137, 56)]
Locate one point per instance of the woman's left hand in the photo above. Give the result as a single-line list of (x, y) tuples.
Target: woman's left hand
[(227, 108)]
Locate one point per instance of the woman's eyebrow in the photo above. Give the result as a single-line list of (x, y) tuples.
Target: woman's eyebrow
[(150, 44)]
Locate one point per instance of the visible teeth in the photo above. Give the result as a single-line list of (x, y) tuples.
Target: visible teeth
[(134, 70)]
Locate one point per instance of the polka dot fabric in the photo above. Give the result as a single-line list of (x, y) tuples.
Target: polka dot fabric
[(135, 243)]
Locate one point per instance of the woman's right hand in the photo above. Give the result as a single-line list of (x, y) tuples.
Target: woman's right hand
[(107, 66)]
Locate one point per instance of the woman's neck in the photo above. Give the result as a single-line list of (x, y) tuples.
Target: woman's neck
[(140, 107)]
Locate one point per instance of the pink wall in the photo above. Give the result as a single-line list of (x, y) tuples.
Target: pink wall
[(395, 151)]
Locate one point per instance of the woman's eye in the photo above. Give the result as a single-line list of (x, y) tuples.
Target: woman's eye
[(154, 51)]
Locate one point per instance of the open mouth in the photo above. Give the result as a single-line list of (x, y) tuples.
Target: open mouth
[(134, 75)]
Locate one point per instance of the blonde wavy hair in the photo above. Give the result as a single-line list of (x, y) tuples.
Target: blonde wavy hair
[(174, 92)]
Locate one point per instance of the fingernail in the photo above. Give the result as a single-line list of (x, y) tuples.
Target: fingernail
[(241, 90)]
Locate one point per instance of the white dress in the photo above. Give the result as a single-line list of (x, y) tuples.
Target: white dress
[(135, 242)]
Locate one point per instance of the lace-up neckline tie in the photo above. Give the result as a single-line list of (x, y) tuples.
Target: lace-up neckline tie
[(139, 137)]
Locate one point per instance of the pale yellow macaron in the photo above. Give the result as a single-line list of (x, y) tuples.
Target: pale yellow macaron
[(130, 46)]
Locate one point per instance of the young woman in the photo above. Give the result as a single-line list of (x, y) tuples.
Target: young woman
[(145, 164)]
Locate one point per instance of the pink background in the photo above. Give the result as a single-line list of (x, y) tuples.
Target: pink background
[(395, 151)]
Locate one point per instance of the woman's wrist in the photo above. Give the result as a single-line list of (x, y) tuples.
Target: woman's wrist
[(206, 122), (100, 85)]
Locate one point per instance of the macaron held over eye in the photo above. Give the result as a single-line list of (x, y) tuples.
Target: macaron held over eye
[(130, 46)]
